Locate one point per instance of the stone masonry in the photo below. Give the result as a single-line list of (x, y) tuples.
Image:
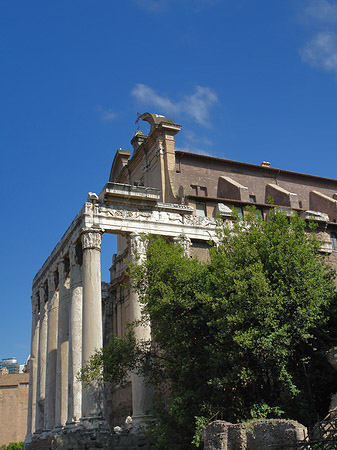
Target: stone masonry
[(13, 407), (164, 192)]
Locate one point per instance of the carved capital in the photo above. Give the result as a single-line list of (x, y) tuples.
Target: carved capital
[(43, 300), (91, 239), (43, 295), (62, 270), (138, 245), (35, 304), (72, 255), (51, 282), (185, 242)]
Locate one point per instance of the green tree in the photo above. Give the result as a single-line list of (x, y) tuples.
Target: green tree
[(12, 446), (243, 336)]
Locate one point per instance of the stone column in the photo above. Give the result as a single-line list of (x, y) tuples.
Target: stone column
[(61, 406), (185, 242), (52, 349), (33, 367), (142, 394), (75, 335), (92, 336), (41, 370)]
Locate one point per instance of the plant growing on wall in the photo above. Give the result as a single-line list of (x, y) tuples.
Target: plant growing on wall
[(243, 336)]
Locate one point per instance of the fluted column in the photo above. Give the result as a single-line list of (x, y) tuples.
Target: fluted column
[(92, 336), (142, 394), (75, 335), (33, 362), (61, 406), (42, 359), (52, 349)]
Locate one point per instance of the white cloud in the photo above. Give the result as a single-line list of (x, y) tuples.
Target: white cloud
[(321, 51), (107, 115), (196, 106), (194, 143), (193, 139), (324, 11)]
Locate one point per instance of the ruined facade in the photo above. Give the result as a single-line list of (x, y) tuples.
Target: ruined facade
[(154, 190)]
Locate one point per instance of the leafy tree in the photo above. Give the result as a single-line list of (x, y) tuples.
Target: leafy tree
[(243, 336), (12, 446)]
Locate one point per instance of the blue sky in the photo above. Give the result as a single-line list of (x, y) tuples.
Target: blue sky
[(248, 80)]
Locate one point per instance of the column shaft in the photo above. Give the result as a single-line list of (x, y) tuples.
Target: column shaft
[(41, 370), (33, 367), (61, 407), (52, 350), (75, 336), (142, 394), (92, 336)]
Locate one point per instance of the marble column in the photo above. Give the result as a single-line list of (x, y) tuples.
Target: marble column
[(75, 335), (142, 394), (92, 335), (42, 359), (33, 367), (52, 349), (61, 406)]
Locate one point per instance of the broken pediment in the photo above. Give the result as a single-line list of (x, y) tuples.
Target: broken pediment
[(120, 160)]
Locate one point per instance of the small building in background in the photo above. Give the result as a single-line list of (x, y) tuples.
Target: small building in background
[(11, 364), (13, 404)]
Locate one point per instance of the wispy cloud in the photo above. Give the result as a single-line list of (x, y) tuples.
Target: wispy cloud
[(194, 143), (323, 11), (106, 115), (196, 106), (159, 6), (321, 51)]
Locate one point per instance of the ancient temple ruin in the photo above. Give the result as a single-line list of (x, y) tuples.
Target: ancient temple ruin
[(154, 190)]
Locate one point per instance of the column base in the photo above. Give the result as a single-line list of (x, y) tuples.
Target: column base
[(140, 421), (73, 425)]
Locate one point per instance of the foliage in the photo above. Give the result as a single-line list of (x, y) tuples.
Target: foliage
[(113, 362), (12, 446), (241, 337)]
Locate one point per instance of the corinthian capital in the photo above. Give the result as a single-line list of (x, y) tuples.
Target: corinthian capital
[(185, 242), (51, 282), (138, 245), (91, 239), (35, 304)]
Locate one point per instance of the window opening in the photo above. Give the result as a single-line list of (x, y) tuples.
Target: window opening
[(200, 209)]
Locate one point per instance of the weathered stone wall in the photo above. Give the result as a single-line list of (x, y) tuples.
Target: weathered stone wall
[(92, 440), (13, 407), (255, 435)]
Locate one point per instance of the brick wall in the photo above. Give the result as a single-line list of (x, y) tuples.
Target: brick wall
[(13, 407)]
